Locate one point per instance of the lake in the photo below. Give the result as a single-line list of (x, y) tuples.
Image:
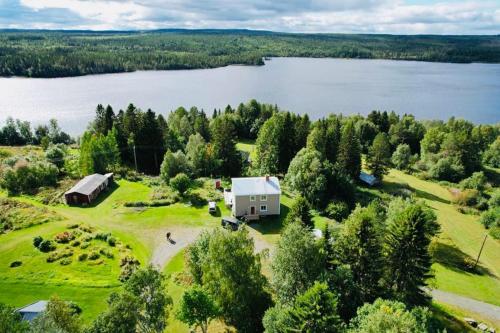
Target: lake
[(303, 85)]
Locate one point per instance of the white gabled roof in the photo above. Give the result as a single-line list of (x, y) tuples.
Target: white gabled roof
[(34, 307), (255, 186)]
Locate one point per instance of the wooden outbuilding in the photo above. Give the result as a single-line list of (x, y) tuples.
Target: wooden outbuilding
[(88, 189)]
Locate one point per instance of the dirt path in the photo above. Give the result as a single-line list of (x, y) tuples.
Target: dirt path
[(180, 238), (486, 310)]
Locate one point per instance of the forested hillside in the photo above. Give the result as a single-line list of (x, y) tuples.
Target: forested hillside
[(73, 53)]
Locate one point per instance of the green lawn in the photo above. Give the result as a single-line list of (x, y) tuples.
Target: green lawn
[(461, 237), (89, 285)]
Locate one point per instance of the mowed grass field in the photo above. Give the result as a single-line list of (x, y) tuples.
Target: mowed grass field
[(461, 237), (86, 284)]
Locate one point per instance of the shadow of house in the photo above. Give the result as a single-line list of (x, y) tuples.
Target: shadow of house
[(269, 225)]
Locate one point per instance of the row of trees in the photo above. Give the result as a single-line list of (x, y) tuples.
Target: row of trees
[(18, 133)]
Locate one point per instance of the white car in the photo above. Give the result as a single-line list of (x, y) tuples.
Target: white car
[(212, 207)]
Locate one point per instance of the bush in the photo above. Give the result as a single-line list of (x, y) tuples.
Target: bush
[(447, 169), (494, 201), (65, 261), (102, 236), (495, 232), (84, 245), (64, 237), (106, 253), (94, 255), (59, 255), (180, 183), (25, 177), (491, 218), (477, 182), (337, 210), (37, 240), (128, 266), (46, 246), (75, 243), (111, 241), (467, 198), (16, 264), (83, 257)]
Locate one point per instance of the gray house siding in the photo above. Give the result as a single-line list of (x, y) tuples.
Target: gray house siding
[(242, 205)]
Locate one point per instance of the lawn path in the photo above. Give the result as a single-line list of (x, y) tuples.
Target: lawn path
[(164, 249), (487, 310)]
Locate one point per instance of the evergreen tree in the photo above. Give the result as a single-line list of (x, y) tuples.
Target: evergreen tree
[(360, 246), (223, 134), (316, 311), (379, 156), (349, 157), (410, 229)]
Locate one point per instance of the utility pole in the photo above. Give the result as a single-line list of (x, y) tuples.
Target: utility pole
[(135, 160), (481, 250)]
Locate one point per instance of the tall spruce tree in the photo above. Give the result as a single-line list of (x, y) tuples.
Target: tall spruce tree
[(379, 156), (359, 245), (411, 227), (349, 156)]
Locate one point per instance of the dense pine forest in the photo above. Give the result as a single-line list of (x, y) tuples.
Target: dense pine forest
[(73, 53)]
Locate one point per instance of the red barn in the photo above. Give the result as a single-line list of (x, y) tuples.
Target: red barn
[(87, 189)]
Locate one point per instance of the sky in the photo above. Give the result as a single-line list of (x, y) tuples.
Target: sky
[(340, 16)]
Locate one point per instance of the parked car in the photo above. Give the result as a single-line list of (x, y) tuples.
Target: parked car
[(230, 222), (212, 207)]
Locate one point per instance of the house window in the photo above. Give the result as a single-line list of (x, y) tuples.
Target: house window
[(263, 208), (263, 198), (252, 198)]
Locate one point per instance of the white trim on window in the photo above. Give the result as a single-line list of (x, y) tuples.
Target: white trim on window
[(253, 198), (263, 197), (263, 208)]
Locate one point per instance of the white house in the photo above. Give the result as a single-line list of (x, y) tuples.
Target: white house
[(255, 196)]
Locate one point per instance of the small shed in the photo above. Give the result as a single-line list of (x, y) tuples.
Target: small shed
[(368, 179), (87, 189), (31, 311)]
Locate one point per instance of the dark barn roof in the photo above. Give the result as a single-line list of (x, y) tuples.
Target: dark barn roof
[(89, 184)]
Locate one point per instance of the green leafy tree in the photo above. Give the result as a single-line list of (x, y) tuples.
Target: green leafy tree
[(195, 256), (11, 321), (121, 316), (300, 211), (432, 141), (198, 154), (390, 316), (62, 316), (477, 181), (401, 158), (197, 308), (173, 164), (232, 276), (349, 157), (341, 281), (408, 131), (491, 156), (359, 245), (277, 319), (297, 263), (180, 183), (379, 156), (148, 286), (308, 175), (410, 228), (316, 311)]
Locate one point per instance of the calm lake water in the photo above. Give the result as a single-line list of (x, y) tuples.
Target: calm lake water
[(314, 86)]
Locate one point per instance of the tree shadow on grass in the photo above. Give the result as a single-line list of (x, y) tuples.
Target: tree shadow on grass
[(269, 225), (430, 196), (455, 259)]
